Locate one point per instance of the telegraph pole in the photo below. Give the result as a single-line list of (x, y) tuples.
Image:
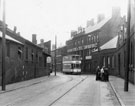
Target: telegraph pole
[(55, 52), (128, 47), (3, 47)]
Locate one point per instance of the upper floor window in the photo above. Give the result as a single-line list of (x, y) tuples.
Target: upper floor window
[(89, 39), (92, 39), (82, 41), (36, 56), (97, 38), (26, 52), (20, 52), (32, 55)]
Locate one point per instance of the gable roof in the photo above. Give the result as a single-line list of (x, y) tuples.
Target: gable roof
[(97, 26), (110, 44)]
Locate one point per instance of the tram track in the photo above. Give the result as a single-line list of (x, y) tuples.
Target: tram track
[(67, 92)]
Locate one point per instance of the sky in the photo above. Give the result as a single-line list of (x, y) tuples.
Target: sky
[(48, 18)]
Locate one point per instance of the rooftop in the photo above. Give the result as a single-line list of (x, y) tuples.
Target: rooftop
[(11, 39), (110, 44), (97, 26)]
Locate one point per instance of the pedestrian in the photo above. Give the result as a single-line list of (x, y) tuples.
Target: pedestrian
[(102, 73), (97, 73), (106, 74)]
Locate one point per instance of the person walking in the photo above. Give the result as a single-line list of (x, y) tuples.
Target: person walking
[(102, 73)]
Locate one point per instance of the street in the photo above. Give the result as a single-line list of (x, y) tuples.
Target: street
[(62, 90)]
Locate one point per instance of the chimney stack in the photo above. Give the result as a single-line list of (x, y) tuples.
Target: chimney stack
[(15, 28), (34, 38), (80, 29), (116, 12), (90, 22), (41, 41), (100, 17), (18, 34), (73, 33)]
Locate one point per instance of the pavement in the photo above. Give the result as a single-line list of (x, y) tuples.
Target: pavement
[(125, 98)]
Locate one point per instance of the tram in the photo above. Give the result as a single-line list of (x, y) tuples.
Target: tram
[(72, 64)]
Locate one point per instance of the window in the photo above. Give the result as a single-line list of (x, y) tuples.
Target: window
[(19, 52), (37, 57), (32, 55), (89, 39), (26, 52), (92, 40), (97, 38), (82, 41), (108, 61)]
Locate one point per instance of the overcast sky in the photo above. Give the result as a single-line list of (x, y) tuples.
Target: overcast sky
[(48, 18)]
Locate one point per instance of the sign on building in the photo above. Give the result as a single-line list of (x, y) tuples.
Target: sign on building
[(48, 59)]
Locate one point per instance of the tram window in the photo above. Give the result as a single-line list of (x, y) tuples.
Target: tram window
[(72, 66), (77, 65), (66, 66)]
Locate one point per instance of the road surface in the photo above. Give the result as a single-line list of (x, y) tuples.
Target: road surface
[(63, 90)]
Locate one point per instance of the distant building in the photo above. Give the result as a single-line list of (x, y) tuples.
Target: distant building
[(60, 52), (46, 46)]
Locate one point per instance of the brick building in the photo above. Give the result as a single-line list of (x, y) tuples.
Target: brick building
[(95, 35), (24, 59)]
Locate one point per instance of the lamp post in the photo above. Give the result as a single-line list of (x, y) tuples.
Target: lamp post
[(3, 47), (55, 53)]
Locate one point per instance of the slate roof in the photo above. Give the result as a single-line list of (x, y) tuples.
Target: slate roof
[(11, 39), (110, 44), (97, 26)]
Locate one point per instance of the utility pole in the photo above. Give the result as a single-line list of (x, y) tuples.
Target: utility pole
[(3, 47), (128, 47), (55, 52)]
